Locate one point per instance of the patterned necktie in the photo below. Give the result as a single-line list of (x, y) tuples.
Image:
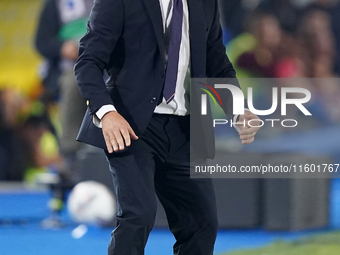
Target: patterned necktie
[(173, 51)]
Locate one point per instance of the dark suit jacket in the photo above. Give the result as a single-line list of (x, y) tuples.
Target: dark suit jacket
[(125, 37)]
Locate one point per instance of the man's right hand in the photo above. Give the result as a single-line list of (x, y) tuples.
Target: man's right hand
[(116, 131)]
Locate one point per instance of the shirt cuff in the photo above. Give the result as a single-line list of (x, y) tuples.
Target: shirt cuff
[(100, 114), (235, 119)]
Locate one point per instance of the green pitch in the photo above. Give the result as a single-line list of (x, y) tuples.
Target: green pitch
[(327, 244)]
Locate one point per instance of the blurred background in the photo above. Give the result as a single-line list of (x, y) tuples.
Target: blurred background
[(41, 110)]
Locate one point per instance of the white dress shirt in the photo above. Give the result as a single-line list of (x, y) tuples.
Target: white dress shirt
[(180, 105)]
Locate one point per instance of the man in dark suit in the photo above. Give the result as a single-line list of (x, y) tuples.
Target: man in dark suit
[(150, 49)]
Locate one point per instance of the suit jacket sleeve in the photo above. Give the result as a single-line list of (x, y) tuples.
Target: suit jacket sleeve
[(95, 48), (218, 63)]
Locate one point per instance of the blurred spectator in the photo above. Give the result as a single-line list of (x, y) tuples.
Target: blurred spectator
[(11, 163), (308, 52), (317, 40), (315, 32), (39, 147), (62, 23), (332, 7), (334, 12), (26, 138), (262, 60), (305, 47), (234, 13), (290, 64), (286, 12)]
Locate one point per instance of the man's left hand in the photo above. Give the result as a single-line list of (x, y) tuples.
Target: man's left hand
[(248, 132)]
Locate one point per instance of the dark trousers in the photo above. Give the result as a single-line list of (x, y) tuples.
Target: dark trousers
[(158, 163)]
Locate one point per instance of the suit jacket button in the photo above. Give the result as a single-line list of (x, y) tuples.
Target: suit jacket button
[(162, 74), (153, 100)]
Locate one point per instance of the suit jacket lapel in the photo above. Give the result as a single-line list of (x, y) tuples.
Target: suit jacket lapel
[(197, 27), (154, 10)]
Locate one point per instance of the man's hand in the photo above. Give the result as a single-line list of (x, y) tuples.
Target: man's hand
[(116, 131), (69, 50), (247, 133)]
